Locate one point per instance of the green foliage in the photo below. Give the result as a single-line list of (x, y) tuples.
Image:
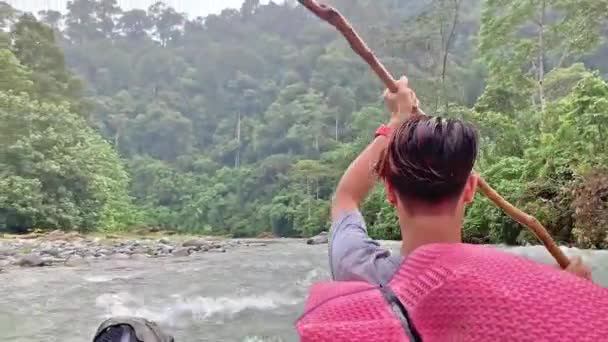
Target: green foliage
[(243, 122), (550, 180), (13, 76), (56, 171)]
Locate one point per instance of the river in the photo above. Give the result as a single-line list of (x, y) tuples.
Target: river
[(246, 294)]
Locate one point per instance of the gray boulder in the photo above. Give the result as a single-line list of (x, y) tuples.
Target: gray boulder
[(181, 252), (55, 252), (32, 260), (322, 238), (7, 251), (75, 260), (195, 243), (120, 256)]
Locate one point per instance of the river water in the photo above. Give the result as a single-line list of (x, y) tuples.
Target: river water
[(246, 294)]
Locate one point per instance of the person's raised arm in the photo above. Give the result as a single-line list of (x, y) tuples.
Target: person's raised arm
[(359, 178)]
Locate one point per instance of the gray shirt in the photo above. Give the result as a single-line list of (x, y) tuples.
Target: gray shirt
[(353, 255)]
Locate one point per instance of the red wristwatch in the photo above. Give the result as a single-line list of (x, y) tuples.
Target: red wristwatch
[(384, 130)]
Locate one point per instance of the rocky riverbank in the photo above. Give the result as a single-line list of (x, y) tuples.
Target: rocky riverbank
[(71, 249)]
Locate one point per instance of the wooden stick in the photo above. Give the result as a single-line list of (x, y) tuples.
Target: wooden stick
[(527, 220), (333, 17)]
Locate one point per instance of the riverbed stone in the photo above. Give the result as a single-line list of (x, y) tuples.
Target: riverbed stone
[(195, 243), (140, 250), (181, 252), (32, 260), (322, 238), (7, 251), (125, 251), (165, 249), (217, 250), (75, 260), (164, 241), (52, 251), (65, 254), (120, 256)]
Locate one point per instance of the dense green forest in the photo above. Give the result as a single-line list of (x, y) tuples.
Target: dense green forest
[(242, 123)]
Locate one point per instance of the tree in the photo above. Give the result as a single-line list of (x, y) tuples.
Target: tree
[(51, 18), (56, 171), (34, 45), (81, 22), (15, 77), (518, 38), (134, 24), (167, 21), (243, 122), (106, 12)]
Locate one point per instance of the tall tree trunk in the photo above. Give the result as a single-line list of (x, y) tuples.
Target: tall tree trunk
[(117, 139), (308, 196), (446, 51), (541, 56), (237, 158), (337, 127)]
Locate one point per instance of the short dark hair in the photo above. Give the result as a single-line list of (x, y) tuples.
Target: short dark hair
[(429, 159)]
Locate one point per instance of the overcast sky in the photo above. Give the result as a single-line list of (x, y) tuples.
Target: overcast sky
[(193, 8)]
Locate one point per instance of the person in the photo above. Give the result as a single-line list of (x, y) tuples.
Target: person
[(426, 164), (458, 292), (438, 288)]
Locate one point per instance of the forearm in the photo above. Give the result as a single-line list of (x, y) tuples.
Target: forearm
[(359, 178)]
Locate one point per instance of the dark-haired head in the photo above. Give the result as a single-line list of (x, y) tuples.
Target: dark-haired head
[(428, 164)]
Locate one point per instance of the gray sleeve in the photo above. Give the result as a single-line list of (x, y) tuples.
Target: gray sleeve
[(353, 255)]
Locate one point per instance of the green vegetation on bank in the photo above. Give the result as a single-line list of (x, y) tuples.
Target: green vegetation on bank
[(242, 123)]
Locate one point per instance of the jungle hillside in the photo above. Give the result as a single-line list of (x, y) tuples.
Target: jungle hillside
[(241, 123)]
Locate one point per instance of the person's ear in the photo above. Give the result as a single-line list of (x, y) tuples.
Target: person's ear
[(470, 188), (391, 195)]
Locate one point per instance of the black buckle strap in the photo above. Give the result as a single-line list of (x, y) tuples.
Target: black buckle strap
[(401, 313)]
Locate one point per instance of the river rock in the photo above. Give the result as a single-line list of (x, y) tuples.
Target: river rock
[(55, 252), (65, 254), (120, 256), (140, 250), (164, 241), (32, 260), (7, 251), (164, 249), (181, 252), (56, 235), (218, 250), (125, 251), (75, 260), (319, 239), (4, 263), (195, 243)]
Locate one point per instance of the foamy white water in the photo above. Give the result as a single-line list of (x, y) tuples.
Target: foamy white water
[(249, 294)]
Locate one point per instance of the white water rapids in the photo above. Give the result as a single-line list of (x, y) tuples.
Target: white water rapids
[(246, 294)]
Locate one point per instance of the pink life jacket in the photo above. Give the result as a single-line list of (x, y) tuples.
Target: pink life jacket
[(459, 292)]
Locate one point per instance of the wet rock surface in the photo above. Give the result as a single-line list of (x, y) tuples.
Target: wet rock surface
[(62, 249), (322, 238)]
